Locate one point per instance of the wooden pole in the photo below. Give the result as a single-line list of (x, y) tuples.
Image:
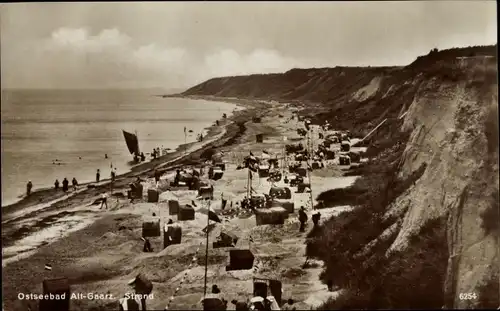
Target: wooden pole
[(206, 252), (309, 165)]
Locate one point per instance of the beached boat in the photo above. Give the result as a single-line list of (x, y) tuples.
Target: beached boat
[(132, 142)]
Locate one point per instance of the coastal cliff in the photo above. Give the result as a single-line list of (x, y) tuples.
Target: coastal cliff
[(427, 201)]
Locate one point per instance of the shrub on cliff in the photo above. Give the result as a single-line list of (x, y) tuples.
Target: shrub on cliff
[(406, 280)]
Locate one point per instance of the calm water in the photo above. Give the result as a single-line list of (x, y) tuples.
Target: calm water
[(41, 126)]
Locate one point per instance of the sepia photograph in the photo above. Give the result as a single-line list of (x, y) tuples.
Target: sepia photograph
[(267, 155)]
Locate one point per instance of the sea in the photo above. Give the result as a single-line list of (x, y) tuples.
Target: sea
[(53, 134)]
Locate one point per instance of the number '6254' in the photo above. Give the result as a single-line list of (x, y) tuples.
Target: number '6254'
[(467, 296)]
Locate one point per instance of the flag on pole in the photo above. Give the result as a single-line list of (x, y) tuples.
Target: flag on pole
[(184, 130)]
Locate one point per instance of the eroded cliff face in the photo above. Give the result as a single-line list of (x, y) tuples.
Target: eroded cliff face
[(452, 129), (451, 103)]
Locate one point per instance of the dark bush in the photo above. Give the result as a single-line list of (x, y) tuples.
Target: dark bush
[(412, 279)]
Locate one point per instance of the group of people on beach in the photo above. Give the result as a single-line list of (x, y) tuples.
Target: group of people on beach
[(112, 175), (139, 157), (157, 152), (65, 184)]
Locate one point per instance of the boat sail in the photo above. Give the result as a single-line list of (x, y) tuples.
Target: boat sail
[(132, 142)]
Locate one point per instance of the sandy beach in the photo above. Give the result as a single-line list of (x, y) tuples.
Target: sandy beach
[(102, 256), (47, 202)]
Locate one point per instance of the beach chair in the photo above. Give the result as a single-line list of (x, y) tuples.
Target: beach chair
[(151, 227), (186, 213), (213, 302), (270, 216), (56, 287), (172, 234), (240, 259), (259, 138), (153, 196), (173, 207), (264, 288)]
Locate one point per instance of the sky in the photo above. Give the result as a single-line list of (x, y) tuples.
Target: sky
[(175, 45)]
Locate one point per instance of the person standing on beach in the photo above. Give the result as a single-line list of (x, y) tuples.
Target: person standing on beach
[(302, 219), (65, 185), (177, 177), (75, 183), (29, 186), (56, 184), (104, 200), (97, 175), (113, 175)]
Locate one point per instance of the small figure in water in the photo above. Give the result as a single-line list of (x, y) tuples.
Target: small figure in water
[(143, 157), (65, 184), (97, 175), (105, 155), (56, 184), (75, 183), (29, 186)]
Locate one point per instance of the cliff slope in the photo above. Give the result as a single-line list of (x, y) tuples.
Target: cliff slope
[(443, 156)]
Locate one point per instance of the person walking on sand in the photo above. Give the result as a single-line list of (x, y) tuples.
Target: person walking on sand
[(98, 175), (177, 177), (75, 183), (29, 186), (289, 305), (302, 219), (157, 177), (104, 200), (56, 184), (223, 202), (65, 184)]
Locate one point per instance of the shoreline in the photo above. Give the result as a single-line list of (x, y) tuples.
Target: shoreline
[(49, 201), (49, 194)]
